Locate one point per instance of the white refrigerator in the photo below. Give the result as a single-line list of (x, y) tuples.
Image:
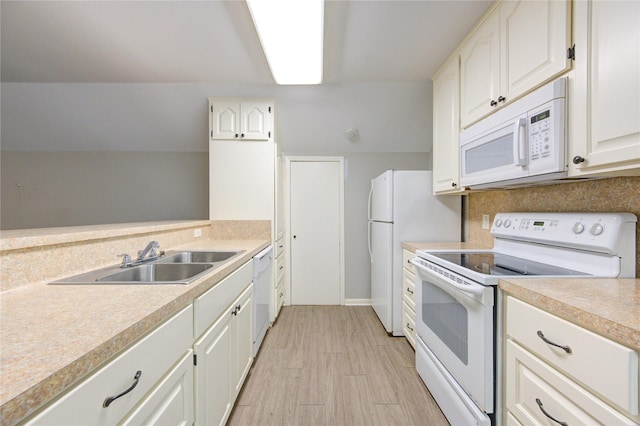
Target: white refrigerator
[(402, 207)]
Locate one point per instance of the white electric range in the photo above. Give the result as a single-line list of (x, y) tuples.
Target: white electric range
[(456, 295)]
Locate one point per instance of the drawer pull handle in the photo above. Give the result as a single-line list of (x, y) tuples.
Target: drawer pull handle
[(409, 327), (549, 415), (409, 290), (110, 399), (567, 349)]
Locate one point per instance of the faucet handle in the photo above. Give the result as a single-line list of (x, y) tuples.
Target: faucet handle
[(126, 260)]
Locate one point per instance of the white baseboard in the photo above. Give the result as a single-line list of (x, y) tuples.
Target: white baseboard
[(357, 302)]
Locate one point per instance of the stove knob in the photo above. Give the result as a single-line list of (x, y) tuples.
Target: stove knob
[(507, 223), (498, 223), (578, 228), (596, 229)]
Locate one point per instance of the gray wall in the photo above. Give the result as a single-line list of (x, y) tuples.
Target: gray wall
[(47, 189), (94, 153)]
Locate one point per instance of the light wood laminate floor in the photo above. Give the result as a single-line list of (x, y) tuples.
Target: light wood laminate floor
[(334, 365)]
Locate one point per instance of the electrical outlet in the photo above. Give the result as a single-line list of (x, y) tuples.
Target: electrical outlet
[(485, 221), (197, 232)]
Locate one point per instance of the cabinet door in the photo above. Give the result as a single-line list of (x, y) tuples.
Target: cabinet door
[(534, 391), (241, 340), (213, 400), (171, 402), (535, 36), (480, 71), (225, 119), (446, 128), (255, 120), (605, 105)]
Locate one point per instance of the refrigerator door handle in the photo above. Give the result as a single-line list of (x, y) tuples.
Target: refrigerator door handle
[(369, 203), (369, 240)]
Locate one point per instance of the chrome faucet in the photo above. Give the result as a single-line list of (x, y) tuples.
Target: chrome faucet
[(150, 249)]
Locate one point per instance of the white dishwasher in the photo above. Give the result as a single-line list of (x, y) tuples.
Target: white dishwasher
[(262, 285)]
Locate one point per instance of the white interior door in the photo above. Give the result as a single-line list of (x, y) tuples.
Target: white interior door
[(315, 232)]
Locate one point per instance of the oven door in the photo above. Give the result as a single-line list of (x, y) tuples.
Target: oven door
[(455, 320)]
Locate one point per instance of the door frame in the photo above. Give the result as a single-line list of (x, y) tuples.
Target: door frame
[(296, 159)]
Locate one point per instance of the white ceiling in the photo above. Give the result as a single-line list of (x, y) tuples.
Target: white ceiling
[(215, 42)]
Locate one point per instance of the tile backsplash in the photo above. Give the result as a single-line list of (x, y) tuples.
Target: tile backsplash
[(620, 194)]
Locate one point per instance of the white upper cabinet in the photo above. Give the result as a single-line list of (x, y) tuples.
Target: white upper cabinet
[(239, 120), (519, 46), (446, 128), (480, 71), (604, 130)]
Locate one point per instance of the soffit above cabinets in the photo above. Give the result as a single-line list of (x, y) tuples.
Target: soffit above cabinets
[(215, 42)]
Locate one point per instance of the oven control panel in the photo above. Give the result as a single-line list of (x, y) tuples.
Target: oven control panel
[(602, 232)]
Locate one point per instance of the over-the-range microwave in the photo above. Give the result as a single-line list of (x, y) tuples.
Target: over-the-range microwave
[(521, 144)]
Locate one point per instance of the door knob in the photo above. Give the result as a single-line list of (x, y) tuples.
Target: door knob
[(294, 237), (578, 159)]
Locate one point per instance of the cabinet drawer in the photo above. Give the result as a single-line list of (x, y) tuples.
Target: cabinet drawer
[(279, 247), (406, 258), (280, 268), (215, 301), (510, 420), (600, 364), (409, 289), (153, 355), (280, 293), (530, 380), (409, 324)]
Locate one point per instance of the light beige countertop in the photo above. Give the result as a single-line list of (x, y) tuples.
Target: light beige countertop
[(413, 246), (52, 336), (607, 306)]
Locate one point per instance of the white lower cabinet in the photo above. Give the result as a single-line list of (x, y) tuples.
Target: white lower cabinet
[(171, 403), (408, 298), (555, 369), (223, 352), (150, 365), (167, 379), (279, 274)]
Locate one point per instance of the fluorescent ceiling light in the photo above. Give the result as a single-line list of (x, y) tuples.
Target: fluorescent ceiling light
[(291, 33)]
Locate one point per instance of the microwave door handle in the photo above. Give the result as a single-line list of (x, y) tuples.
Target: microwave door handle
[(519, 154)]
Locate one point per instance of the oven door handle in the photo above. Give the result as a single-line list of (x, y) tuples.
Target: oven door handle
[(478, 291)]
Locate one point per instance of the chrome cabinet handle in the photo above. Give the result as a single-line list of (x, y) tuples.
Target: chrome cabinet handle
[(501, 98), (108, 400), (409, 327), (549, 415), (578, 159), (409, 290), (567, 349), (493, 103)]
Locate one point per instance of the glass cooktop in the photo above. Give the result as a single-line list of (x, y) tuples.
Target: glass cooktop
[(490, 263)]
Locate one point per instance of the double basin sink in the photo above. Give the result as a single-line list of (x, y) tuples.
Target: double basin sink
[(181, 267)]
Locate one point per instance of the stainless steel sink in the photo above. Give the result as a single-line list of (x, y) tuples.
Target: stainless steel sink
[(200, 256), (158, 272), (181, 267), (151, 273)]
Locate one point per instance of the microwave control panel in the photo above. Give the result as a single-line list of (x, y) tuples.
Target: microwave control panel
[(546, 137), (540, 135)]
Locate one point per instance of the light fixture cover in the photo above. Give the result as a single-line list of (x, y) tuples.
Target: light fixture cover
[(291, 33)]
